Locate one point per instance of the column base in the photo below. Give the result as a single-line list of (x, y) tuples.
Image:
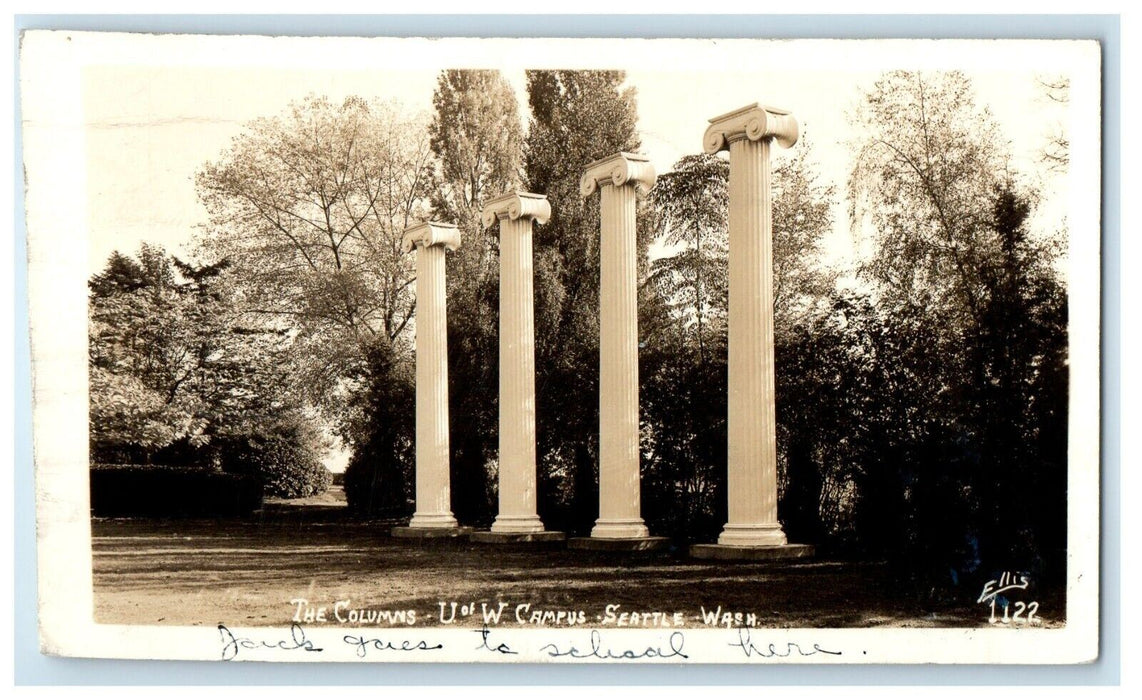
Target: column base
[(619, 529), (619, 544), (431, 533), (546, 537), (517, 524), (785, 552), (432, 520), (753, 535)]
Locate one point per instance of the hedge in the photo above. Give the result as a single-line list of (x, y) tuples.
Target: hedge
[(158, 491)]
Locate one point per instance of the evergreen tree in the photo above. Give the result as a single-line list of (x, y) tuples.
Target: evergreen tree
[(577, 117), (477, 138), (180, 376)]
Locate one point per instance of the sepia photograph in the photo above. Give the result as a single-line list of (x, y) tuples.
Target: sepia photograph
[(564, 350)]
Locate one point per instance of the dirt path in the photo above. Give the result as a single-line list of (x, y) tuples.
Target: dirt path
[(333, 497), (203, 573)]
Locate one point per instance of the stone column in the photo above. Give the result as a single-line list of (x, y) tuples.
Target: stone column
[(752, 461), (433, 496), (619, 499), (515, 212)]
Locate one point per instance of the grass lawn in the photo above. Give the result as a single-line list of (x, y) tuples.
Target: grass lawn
[(246, 573)]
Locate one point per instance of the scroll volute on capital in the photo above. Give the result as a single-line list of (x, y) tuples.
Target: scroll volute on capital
[(515, 205), (754, 122), (619, 169), (431, 233)]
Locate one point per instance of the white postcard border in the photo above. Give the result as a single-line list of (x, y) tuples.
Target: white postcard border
[(52, 89)]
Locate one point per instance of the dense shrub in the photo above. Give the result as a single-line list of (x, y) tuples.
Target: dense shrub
[(379, 479), (158, 491), (285, 464)]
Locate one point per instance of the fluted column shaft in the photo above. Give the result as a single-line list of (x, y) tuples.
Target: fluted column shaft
[(619, 484), (517, 499), (752, 459), (433, 496)]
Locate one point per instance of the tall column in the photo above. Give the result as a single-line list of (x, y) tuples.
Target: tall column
[(752, 461), (619, 499), (433, 496), (515, 212)]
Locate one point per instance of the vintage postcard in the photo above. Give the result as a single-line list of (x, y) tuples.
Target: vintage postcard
[(572, 351)]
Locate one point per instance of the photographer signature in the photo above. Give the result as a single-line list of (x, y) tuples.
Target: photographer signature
[(997, 592)]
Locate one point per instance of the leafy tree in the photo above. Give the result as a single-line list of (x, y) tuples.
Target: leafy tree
[(802, 217), (141, 359), (955, 265), (577, 117), (284, 458), (925, 164), (125, 275), (691, 213), (477, 137), (309, 207), (856, 395), (682, 400), (177, 374), (1018, 393), (685, 356), (682, 367)]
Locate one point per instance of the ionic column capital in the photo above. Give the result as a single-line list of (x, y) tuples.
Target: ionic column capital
[(517, 205), (431, 233), (754, 122), (619, 169)]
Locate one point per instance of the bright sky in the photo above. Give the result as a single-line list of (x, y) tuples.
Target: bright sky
[(156, 115)]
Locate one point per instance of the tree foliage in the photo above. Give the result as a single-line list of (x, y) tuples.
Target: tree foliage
[(380, 477), (925, 165), (978, 467), (179, 375), (802, 218), (284, 461), (310, 207), (690, 211), (141, 359), (684, 315), (476, 140), (689, 215)]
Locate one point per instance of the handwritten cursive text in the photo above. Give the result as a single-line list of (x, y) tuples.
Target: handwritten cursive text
[(232, 644), (769, 651), (597, 651)]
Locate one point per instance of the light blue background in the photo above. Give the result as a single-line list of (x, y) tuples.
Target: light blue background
[(32, 668)]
